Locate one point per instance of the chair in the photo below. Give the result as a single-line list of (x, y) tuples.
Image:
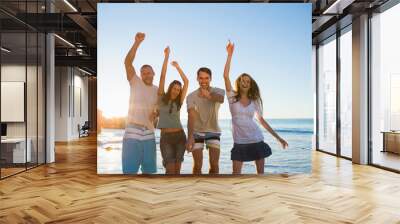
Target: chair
[(84, 130)]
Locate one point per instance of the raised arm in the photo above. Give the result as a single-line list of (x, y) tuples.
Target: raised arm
[(184, 78), (212, 96), (265, 124), (217, 97), (229, 48), (130, 70), (163, 72)]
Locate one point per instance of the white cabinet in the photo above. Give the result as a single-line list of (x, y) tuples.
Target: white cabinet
[(18, 149)]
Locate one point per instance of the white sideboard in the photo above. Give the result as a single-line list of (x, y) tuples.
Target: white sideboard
[(18, 145)]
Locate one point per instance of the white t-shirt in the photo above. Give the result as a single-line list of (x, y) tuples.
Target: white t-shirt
[(142, 102), (244, 127)]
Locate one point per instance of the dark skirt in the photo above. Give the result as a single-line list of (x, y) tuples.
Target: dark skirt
[(250, 152)]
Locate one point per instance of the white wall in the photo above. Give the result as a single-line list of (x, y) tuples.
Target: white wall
[(70, 84), (81, 94), (61, 103)]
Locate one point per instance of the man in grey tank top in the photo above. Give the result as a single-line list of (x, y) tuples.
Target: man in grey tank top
[(203, 105)]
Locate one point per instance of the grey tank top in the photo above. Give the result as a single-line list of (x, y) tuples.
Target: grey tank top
[(169, 115)]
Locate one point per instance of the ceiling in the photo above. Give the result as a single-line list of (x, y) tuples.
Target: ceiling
[(75, 21)]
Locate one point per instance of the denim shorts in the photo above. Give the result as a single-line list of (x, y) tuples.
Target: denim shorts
[(172, 146)]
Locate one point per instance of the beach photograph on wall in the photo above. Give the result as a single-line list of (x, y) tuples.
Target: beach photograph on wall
[(204, 89)]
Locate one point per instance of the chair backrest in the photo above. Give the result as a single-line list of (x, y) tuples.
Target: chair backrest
[(86, 125)]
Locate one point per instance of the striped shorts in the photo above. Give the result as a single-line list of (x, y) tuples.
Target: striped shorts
[(138, 150), (210, 139)]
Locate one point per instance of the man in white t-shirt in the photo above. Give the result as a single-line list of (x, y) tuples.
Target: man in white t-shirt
[(139, 146)]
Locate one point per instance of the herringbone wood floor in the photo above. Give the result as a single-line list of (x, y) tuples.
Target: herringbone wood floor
[(70, 191)]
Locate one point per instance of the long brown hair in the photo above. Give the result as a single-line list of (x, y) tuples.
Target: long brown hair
[(253, 93), (166, 98)]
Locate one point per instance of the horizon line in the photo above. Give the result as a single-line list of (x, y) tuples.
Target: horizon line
[(185, 118)]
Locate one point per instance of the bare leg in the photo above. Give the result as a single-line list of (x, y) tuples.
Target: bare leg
[(214, 160), (237, 167), (198, 161), (178, 168), (260, 166), (170, 168)]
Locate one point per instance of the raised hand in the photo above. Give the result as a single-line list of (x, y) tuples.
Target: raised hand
[(230, 47), (139, 37), (163, 71), (130, 70), (175, 64), (166, 51)]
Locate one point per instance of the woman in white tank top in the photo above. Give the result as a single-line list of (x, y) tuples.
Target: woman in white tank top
[(245, 104)]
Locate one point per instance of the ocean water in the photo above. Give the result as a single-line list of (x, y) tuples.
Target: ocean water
[(295, 159)]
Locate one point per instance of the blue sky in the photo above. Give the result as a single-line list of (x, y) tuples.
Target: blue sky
[(272, 43)]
